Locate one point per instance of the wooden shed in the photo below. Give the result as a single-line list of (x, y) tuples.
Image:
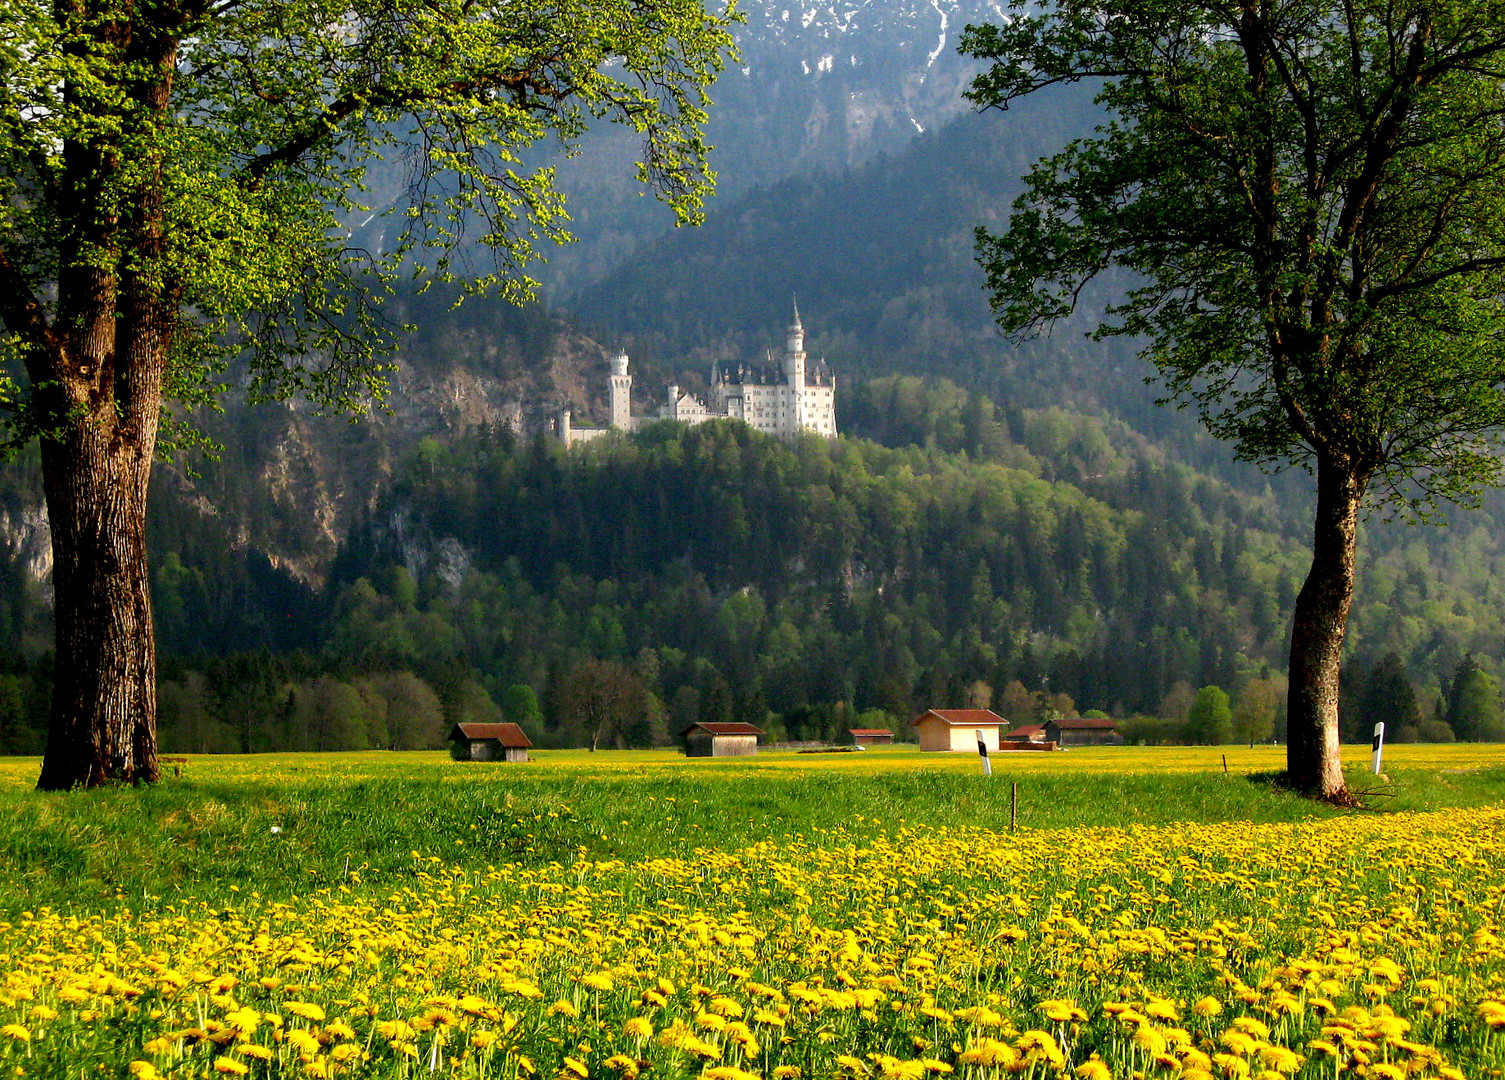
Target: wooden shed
[(1083, 731), (956, 729), (867, 736), (488, 742), (720, 739), (1027, 733)]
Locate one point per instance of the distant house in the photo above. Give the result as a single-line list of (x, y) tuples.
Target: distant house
[(720, 739), (956, 729), (488, 742), (1083, 731), (1027, 733), (863, 736)]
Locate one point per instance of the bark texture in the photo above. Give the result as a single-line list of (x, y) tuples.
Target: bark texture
[(1313, 762), (99, 375), (103, 724)]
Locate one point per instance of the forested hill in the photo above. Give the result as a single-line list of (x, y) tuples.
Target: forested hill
[(1034, 558)]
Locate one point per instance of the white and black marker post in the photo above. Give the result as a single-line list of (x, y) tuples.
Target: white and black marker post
[(982, 752), (1378, 747)]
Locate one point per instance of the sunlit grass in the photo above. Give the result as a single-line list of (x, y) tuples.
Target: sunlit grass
[(864, 916)]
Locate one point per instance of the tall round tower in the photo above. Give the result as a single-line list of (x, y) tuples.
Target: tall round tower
[(621, 393), (794, 350), (794, 374)]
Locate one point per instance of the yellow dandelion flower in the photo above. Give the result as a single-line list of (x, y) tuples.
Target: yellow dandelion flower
[(1094, 1069), (639, 1027), (230, 1067), (1280, 1058), (1061, 1011), (317, 1068), (564, 1008), (730, 1072), (600, 980), (1207, 1006), (142, 1070), (1161, 1009), (700, 1048), (1239, 1042), (577, 1067), (1383, 1071), (725, 1006), (856, 1065), (254, 1050), (772, 1019), (980, 1015), (16, 1032), (788, 1072), (1041, 1045), (1231, 1065), (43, 1012), (306, 1009), (1250, 1026), (934, 1066), (988, 1052)]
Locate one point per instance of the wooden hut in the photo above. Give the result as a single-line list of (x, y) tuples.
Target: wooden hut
[(720, 739), (1027, 733), (1083, 731), (956, 729), (863, 736), (488, 742)]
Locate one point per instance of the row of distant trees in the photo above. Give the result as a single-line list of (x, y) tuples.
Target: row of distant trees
[(608, 704)]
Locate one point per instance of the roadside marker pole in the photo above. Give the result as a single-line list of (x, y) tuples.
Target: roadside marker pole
[(1378, 746), (982, 752)]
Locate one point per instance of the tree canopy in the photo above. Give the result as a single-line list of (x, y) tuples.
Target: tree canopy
[(180, 183), (1308, 200)]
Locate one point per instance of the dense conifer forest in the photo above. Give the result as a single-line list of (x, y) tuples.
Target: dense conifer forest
[(949, 552)]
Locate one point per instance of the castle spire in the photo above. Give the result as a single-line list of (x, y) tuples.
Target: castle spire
[(796, 325)]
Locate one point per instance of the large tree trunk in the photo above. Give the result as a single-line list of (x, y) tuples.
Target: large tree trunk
[(1313, 761), (104, 698), (99, 375)]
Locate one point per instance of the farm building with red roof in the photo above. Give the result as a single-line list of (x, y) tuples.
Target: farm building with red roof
[(711, 739), (957, 730), (488, 742)]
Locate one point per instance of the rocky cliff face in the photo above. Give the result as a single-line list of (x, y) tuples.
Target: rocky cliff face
[(290, 483), (26, 540)]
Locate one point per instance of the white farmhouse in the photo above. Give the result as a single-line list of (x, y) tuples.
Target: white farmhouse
[(781, 399)]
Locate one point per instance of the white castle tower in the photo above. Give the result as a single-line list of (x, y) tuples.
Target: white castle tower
[(621, 393), (783, 398), (794, 374)]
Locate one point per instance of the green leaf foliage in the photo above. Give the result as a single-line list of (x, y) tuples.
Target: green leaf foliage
[(212, 156), (1308, 200)]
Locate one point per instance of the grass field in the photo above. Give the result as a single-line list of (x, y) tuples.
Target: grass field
[(862, 915)]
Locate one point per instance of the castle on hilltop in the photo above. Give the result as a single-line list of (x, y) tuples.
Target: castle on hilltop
[(780, 399)]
